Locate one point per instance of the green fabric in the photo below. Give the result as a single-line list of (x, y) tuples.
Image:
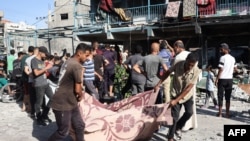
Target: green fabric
[(10, 60), (3, 82), (202, 83)]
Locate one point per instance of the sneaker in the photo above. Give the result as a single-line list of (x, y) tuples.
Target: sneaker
[(32, 115), (41, 123), (47, 120)]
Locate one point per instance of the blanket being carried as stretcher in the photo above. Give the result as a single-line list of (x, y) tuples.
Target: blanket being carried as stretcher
[(134, 118)]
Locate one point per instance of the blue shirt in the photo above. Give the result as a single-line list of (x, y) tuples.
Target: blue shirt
[(209, 83), (166, 56)]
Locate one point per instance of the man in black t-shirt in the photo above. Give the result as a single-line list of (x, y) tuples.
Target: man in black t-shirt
[(17, 70), (99, 62), (109, 71), (67, 95)]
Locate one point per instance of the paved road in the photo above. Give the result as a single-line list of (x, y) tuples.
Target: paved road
[(17, 126)]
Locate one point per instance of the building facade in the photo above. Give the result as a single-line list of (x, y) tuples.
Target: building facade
[(200, 24)]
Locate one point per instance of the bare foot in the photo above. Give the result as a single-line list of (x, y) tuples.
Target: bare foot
[(111, 94), (12, 93), (219, 115), (23, 108), (227, 115), (171, 139)]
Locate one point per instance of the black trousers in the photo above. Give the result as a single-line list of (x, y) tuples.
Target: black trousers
[(100, 86), (159, 99), (64, 120), (179, 123), (32, 93), (225, 86)]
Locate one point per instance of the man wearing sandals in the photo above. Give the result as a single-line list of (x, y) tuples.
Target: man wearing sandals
[(186, 74)]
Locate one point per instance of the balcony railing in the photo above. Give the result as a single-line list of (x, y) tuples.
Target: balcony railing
[(139, 15), (154, 13), (227, 8)]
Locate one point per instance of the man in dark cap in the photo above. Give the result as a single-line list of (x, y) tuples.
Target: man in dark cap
[(224, 79), (41, 85), (44, 51)]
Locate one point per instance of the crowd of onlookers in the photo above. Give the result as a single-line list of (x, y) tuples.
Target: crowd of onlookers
[(99, 76), (172, 68), (17, 68), (25, 69)]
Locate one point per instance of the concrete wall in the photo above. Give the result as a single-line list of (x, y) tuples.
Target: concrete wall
[(56, 44), (66, 7)]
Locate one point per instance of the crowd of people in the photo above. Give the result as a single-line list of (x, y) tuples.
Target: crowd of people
[(91, 69)]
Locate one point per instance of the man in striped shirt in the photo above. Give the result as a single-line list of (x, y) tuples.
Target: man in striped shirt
[(89, 76)]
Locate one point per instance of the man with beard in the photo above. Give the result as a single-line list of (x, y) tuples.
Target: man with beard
[(41, 85), (224, 79)]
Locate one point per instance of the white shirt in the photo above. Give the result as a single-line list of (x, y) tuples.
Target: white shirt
[(227, 63), (124, 57), (181, 56), (28, 63)]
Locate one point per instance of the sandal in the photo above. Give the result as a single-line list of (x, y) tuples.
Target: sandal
[(178, 134)]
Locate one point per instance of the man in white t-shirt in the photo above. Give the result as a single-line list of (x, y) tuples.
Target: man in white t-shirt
[(224, 79)]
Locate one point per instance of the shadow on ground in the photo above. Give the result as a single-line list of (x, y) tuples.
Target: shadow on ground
[(39, 131), (242, 116)]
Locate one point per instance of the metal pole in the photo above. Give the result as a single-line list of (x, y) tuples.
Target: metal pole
[(49, 39), (75, 5), (8, 43), (35, 37), (73, 48), (148, 10)]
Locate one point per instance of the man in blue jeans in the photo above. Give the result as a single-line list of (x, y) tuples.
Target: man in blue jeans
[(69, 92)]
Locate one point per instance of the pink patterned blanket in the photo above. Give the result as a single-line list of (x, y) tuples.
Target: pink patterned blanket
[(134, 118)]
